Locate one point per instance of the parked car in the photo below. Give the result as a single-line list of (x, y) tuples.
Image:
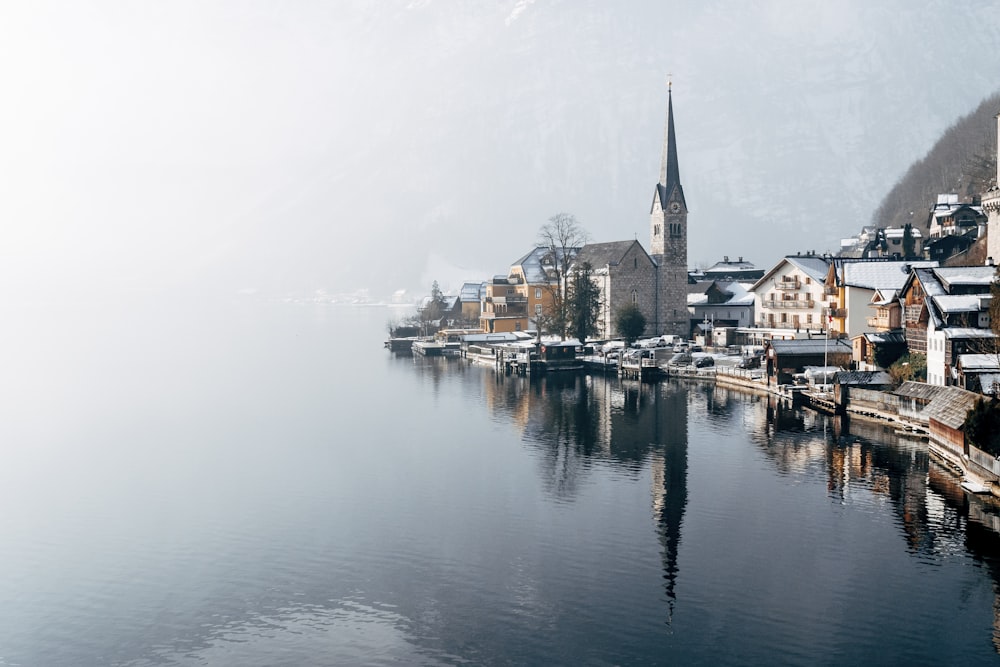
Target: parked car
[(704, 362), (749, 362), (681, 359)]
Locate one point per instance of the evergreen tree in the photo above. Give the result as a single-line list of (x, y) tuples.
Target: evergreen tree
[(909, 246), (584, 299), (630, 323), (982, 425)]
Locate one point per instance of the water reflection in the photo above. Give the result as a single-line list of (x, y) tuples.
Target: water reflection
[(575, 421)]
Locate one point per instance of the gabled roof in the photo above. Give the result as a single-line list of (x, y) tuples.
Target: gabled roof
[(531, 264), (877, 274), (611, 253), (919, 390), (978, 276), (951, 406), (813, 266)]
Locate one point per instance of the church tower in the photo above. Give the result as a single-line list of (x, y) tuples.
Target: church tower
[(668, 238)]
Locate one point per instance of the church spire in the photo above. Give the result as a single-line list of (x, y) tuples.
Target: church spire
[(670, 173)]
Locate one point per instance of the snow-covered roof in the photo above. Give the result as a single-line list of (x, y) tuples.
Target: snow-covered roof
[(958, 303), (989, 383), (694, 299), (979, 362), (813, 266), (531, 264), (899, 232), (951, 276), (881, 275), (886, 337), (967, 332)]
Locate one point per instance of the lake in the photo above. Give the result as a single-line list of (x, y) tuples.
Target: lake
[(246, 482)]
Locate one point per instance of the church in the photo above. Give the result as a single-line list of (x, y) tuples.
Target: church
[(656, 281), (623, 271)]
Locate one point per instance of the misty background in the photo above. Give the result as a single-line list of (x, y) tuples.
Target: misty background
[(280, 149)]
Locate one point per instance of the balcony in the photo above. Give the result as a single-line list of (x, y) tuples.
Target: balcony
[(790, 303), (509, 300), (836, 312), (831, 291), (787, 283)]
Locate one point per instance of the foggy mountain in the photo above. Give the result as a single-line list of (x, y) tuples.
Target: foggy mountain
[(388, 144)]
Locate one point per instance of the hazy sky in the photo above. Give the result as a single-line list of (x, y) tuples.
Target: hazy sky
[(294, 146)]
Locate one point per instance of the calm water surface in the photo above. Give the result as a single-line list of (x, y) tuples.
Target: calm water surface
[(254, 483)]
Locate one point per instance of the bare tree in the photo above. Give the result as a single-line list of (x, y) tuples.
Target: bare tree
[(562, 236)]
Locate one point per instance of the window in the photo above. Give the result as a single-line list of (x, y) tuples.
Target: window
[(635, 262), (635, 297), (808, 280), (809, 318), (538, 309), (656, 230), (538, 292)]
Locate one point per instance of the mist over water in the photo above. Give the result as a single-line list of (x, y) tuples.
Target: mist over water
[(249, 482)]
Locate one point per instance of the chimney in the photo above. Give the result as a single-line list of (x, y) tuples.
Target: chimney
[(725, 259), (741, 259)]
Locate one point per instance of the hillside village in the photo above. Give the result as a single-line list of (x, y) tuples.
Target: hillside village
[(906, 306)]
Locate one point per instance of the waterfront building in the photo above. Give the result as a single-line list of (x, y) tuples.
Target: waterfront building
[(946, 314), (516, 300), (790, 295), (852, 286), (624, 273), (717, 304)]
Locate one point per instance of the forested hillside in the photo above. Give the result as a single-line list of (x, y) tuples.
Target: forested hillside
[(963, 161)]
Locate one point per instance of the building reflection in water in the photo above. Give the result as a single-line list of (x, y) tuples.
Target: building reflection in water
[(573, 418)]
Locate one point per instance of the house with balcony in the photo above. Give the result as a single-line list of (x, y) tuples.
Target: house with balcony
[(515, 301), (852, 286), (790, 297), (945, 315), (950, 217)]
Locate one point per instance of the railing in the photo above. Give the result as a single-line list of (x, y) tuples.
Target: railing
[(507, 300), (790, 303), (836, 312), (831, 291), (879, 322), (793, 283)]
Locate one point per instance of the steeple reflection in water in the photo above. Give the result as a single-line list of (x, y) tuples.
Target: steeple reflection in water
[(577, 418)]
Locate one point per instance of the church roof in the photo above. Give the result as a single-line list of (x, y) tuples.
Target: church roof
[(609, 253)]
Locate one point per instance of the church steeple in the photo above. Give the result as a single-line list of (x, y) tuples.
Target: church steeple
[(669, 188), (668, 229)]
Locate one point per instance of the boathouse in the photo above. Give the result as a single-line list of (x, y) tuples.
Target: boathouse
[(786, 358)]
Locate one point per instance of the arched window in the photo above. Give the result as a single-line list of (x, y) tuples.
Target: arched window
[(635, 297)]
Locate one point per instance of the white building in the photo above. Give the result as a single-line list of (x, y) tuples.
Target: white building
[(790, 295)]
